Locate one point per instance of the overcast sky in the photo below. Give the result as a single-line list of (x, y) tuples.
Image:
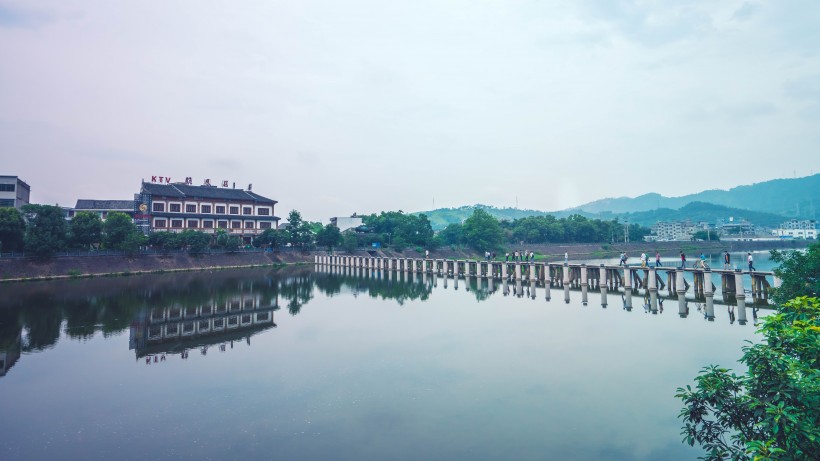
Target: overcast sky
[(349, 106)]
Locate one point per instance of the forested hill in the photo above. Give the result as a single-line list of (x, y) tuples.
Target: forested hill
[(793, 198), (697, 211)]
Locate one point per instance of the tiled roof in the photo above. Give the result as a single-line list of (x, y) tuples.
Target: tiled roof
[(83, 204), (200, 192)]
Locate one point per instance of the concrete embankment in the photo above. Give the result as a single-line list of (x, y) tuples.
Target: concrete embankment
[(19, 269)]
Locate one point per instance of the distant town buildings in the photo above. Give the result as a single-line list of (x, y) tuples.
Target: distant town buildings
[(14, 193), (179, 206), (345, 223), (675, 230), (801, 229)]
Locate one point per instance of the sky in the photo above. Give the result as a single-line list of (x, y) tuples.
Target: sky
[(333, 107)]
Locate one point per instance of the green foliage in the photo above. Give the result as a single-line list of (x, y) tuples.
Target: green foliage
[(12, 230), (329, 237), (349, 241), (85, 229), (273, 238), (46, 233), (299, 233), (397, 227), (481, 231), (770, 412), (452, 235), (705, 236), (799, 273), (120, 233)]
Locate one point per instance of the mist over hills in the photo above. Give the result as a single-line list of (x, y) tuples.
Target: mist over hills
[(767, 204)]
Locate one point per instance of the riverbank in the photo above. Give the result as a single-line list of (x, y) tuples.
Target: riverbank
[(25, 269)]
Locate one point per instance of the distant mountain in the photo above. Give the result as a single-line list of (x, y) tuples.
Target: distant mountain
[(441, 217), (793, 198), (765, 204), (694, 212)]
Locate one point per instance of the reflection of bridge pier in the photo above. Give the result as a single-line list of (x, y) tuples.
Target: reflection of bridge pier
[(647, 280)]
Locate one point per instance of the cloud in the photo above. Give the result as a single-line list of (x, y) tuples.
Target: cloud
[(18, 17)]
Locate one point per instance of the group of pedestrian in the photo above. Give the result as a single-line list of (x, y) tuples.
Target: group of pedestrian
[(520, 256)]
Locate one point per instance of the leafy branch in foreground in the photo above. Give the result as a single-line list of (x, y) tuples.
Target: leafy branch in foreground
[(772, 412)]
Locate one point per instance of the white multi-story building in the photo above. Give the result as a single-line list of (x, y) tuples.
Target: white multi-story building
[(14, 193), (673, 230), (800, 229), (345, 223)]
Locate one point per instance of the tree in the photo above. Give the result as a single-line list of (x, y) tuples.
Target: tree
[(770, 412), (120, 232), (799, 273), (705, 235), (451, 235), (85, 229), (349, 241), (274, 238), (299, 233), (46, 233), (12, 230), (481, 231), (329, 236)]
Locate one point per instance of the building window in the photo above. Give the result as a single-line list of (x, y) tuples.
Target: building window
[(160, 223), (159, 207), (234, 210), (104, 214), (222, 224), (220, 209), (263, 211), (264, 225), (176, 223), (7, 187), (175, 207), (208, 224), (190, 208), (247, 210), (236, 224), (7, 202), (248, 224), (206, 209), (193, 223)]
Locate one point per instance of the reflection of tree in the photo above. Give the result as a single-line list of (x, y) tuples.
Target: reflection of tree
[(110, 305), (398, 290), (297, 291)]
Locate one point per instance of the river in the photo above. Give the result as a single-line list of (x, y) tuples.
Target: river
[(313, 365)]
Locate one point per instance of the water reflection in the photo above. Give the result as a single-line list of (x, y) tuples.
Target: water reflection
[(174, 314)]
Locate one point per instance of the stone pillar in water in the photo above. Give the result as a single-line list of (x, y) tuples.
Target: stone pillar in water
[(518, 271), (584, 276), (627, 279), (740, 295), (707, 291), (566, 274)]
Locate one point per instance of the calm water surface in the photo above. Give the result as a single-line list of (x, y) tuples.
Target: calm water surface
[(311, 365)]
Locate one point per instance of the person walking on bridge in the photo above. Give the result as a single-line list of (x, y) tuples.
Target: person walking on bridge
[(658, 259), (727, 260), (751, 262), (682, 260)]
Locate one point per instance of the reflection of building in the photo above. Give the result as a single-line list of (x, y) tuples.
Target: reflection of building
[(103, 207), (9, 356), (177, 329), (13, 192), (805, 229), (180, 206)]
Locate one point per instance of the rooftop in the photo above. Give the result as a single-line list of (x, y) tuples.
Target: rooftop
[(86, 204), (207, 192)]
